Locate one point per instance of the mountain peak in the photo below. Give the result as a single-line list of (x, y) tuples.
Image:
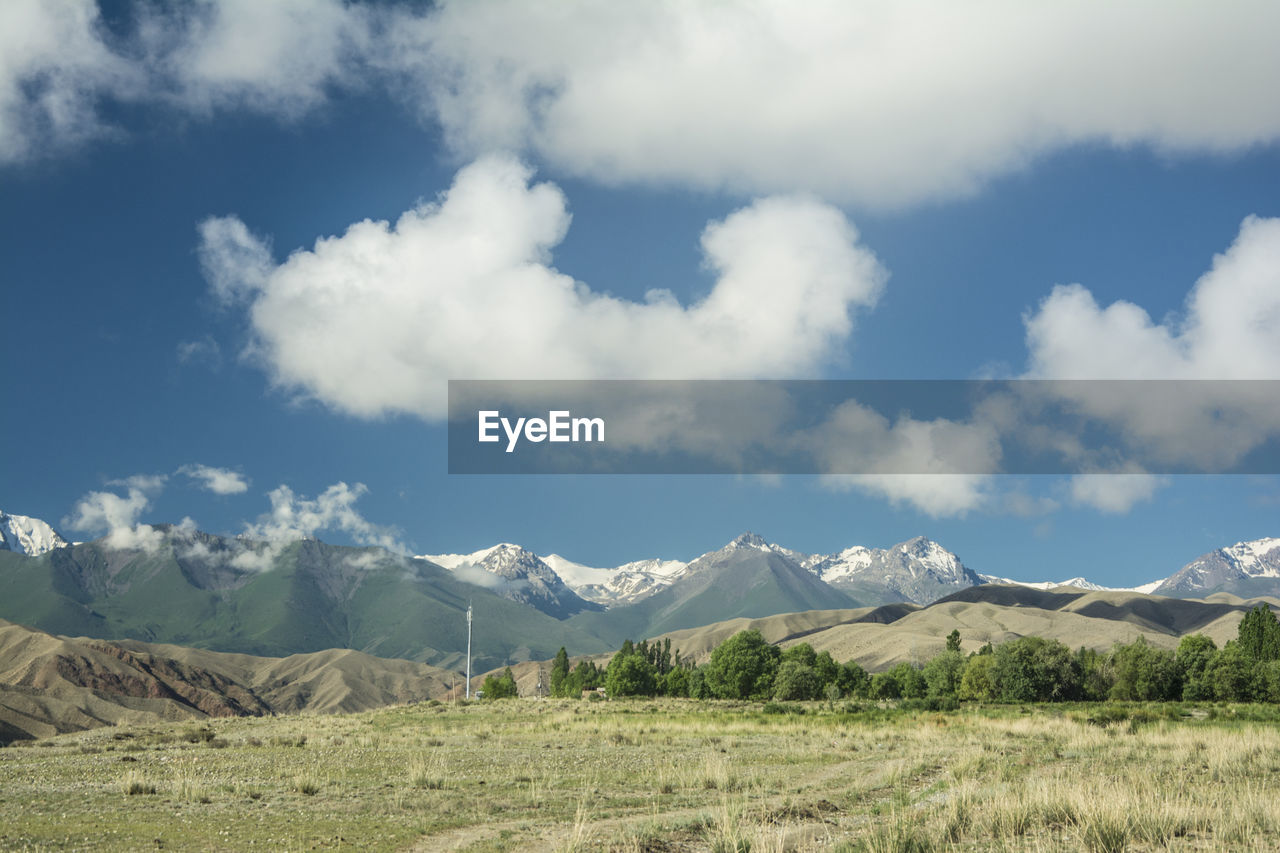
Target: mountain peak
[(26, 535), (749, 540)]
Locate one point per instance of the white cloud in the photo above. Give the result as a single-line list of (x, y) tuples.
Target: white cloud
[(374, 321), (879, 103), (1227, 332), (293, 518), (117, 515), (280, 57), (936, 495), (54, 65), (220, 481), (59, 66), (1114, 493)]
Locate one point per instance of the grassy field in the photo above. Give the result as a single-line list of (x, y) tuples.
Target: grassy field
[(659, 775)]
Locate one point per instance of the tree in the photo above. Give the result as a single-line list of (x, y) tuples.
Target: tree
[(796, 681), (1260, 634), (503, 687), (630, 675), (1144, 673), (585, 676), (1230, 672), (1096, 676), (1033, 669), (802, 653), (943, 673), (560, 673), (953, 640), (910, 681), (885, 686), (742, 667), (975, 683), (826, 667), (676, 682), (1195, 653), (853, 680)]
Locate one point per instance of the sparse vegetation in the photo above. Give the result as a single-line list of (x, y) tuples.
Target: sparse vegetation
[(658, 774)]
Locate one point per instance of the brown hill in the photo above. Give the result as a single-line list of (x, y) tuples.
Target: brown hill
[(51, 684)]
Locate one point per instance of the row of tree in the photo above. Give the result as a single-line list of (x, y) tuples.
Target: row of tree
[(1028, 669)]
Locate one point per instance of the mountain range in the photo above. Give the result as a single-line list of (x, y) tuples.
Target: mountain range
[(197, 589)]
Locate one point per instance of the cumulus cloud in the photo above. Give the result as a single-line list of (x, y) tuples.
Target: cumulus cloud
[(55, 63), (1114, 492), (948, 456), (1228, 331), (220, 481), (117, 515), (60, 67), (879, 103), (374, 321), (280, 57), (292, 518)]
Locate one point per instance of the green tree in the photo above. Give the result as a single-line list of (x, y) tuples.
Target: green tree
[(560, 673), (975, 683), (501, 687), (1231, 674), (585, 676), (1144, 673), (676, 682), (630, 675), (796, 681), (853, 680), (953, 640), (742, 667), (1096, 677), (802, 653), (1266, 681), (885, 686), (698, 688), (827, 669), (942, 674), (1033, 669), (1195, 653), (910, 681), (1260, 634)]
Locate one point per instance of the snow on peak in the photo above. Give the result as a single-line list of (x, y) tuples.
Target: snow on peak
[(26, 535), (751, 540)]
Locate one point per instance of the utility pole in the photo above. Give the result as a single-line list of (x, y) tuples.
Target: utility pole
[(468, 649)]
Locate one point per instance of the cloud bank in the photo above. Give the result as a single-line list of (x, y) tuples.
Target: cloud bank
[(374, 321), (879, 103)]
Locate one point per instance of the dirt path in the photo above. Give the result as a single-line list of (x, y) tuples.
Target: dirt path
[(807, 822)]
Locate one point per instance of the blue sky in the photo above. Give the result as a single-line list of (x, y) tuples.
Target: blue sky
[(977, 189)]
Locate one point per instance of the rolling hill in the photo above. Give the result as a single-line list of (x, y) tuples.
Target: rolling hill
[(51, 684)]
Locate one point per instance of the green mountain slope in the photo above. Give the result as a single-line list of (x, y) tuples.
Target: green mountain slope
[(314, 596)]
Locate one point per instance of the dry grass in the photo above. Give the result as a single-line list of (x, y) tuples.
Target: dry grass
[(655, 776)]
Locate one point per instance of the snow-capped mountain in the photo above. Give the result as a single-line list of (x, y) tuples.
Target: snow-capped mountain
[(918, 570), (518, 575), (1250, 568), (1078, 583), (625, 584), (27, 535)]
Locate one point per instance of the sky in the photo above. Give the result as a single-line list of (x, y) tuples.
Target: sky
[(244, 246)]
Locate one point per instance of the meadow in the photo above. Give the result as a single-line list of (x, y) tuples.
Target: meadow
[(660, 775)]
